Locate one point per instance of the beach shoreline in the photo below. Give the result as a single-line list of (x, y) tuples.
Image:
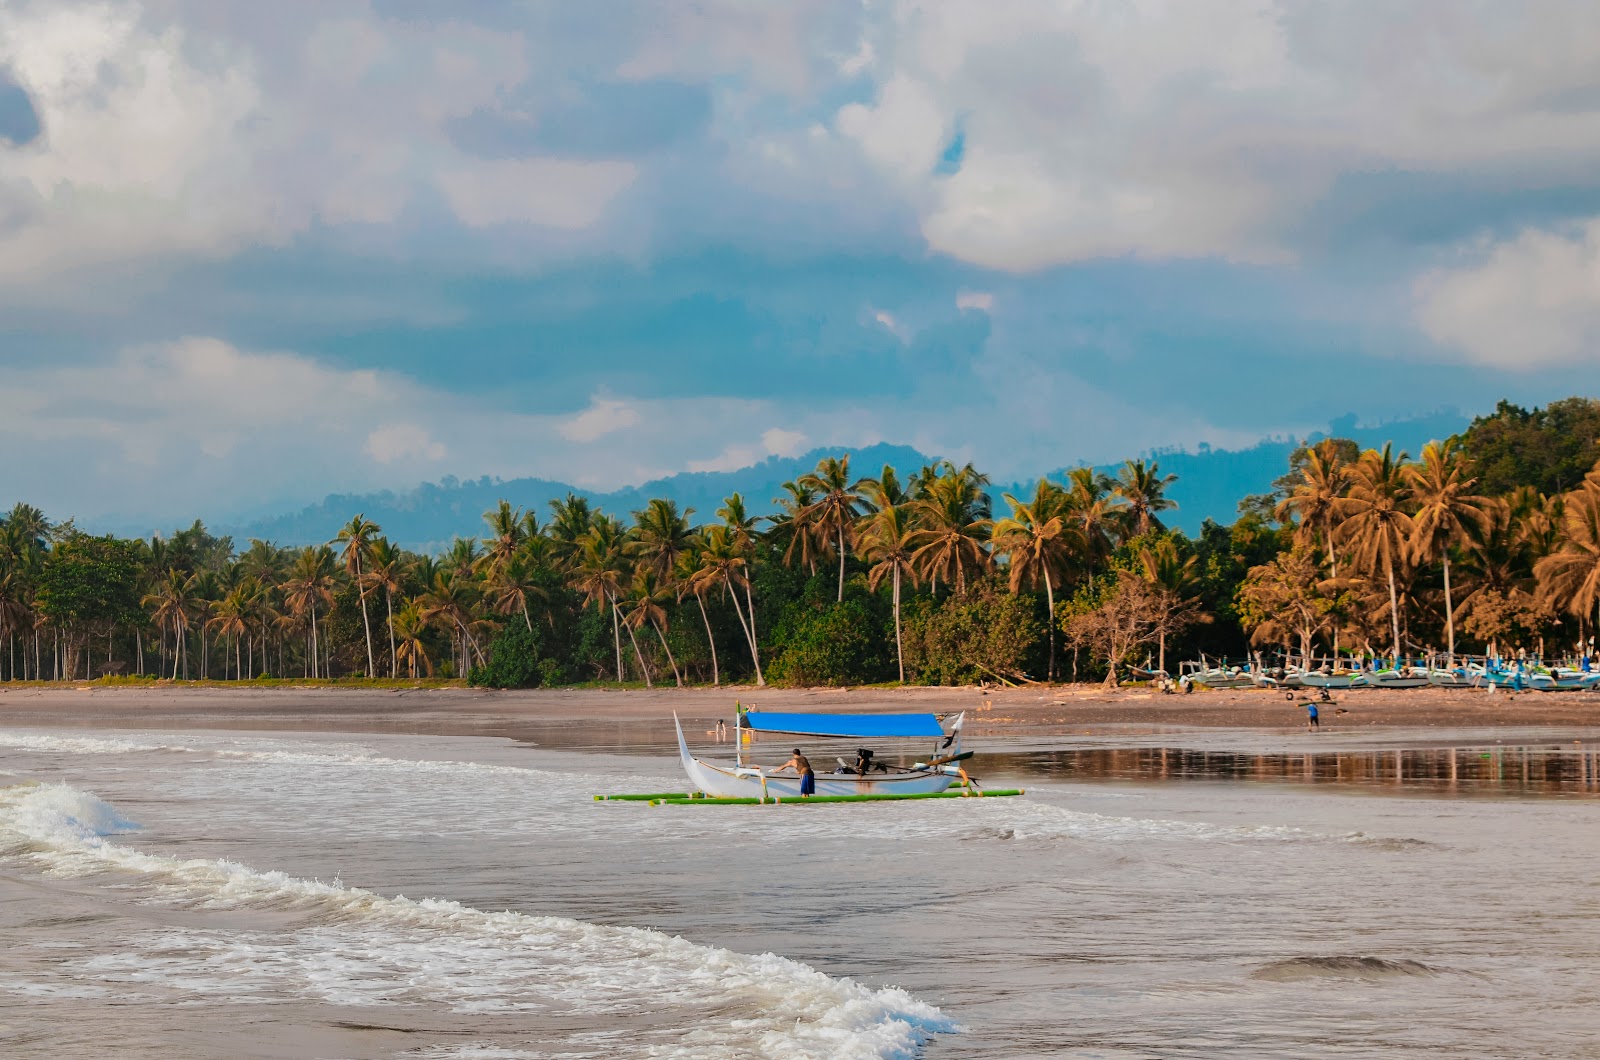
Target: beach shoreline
[(1032, 711)]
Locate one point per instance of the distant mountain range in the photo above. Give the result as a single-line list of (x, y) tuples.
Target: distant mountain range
[(1210, 484)]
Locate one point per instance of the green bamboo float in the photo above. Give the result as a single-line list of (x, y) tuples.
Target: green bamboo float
[(796, 800), (650, 797)]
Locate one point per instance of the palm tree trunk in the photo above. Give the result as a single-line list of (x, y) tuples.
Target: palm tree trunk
[(676, 676), (755, 640), (716, 674), (899, 648), (315, 658), (394, 658), (1449, 612), (616, 636), (637, 654), (1050, 600), (1394, 607), (525, 619), (841, 561), (365, 625)]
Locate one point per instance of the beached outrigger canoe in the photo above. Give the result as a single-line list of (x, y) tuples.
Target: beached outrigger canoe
[(932, 774)]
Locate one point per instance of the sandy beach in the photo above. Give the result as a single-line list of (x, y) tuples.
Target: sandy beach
[(1038, 711)]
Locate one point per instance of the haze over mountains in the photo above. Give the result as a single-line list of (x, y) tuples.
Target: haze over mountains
[(1210, 484)]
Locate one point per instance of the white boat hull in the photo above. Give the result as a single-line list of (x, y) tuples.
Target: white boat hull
[(725, 780), (1391, 679), (1332, 681)]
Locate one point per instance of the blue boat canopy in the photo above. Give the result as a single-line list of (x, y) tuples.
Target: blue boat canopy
[(854, 726)]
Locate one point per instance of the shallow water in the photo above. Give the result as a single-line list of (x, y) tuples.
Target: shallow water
[(160, 896)]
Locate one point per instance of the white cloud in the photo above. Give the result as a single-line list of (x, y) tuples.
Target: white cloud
[(403, 441), (1205, 128), (981, 300), (780, 442), (554, 192), (1530, 302), (603, 416)]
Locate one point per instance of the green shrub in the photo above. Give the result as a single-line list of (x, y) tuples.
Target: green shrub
[(513, 661), (835, 644), (981, 635)]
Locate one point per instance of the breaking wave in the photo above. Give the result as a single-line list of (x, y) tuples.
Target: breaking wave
[(1297, 969), (356, 947)]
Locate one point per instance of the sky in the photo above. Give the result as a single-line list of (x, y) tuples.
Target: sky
[(251, 254)]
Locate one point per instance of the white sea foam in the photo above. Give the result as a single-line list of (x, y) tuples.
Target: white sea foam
[(361, 948)]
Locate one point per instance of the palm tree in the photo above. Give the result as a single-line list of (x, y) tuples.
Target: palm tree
[(409, 627), (232, 613), (888, 541), (1171, 574), (357, 536), (1095, 512), (1037, 540), (660, 537), (884, 491), (173, 606), (795, 526), (448, 602), (386, 570), (599, 568), (646, 599), (833, 513), (1569, 578), (686, 580), (571, 519), (723, 563), (511, 583), (1142, 487), (1374, 521), (742, 539), (309, 582), (1314, 500), (953, 524), (1446, 513), (508, 528)]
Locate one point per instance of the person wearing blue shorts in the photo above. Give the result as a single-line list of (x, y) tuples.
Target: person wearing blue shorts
[(802, 765)]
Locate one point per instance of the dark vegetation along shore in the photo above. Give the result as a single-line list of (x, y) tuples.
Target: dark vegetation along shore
[(1489, 540)]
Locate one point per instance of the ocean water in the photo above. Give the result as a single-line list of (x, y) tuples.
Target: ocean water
[(285, 895)]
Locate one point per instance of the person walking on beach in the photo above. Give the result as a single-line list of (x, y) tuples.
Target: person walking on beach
[(802, 765), (1313, 718)]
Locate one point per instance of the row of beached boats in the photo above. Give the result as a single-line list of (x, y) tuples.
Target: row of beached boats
[(1483, 674)]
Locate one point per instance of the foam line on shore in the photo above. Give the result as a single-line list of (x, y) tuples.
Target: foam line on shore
[(357, 947)]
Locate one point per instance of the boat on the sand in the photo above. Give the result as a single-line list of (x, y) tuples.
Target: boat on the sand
[(937, 770)]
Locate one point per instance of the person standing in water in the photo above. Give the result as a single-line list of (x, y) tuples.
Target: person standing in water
[(1313, 719), (801, 765)]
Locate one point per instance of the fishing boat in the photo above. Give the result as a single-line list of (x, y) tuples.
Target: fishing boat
[(1338, 679), (1220, 677), (939, 769), (1459, 677), (1397, 678), (1559, 680)]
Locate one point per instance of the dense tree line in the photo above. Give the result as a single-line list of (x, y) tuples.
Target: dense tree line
[(1488, 540)]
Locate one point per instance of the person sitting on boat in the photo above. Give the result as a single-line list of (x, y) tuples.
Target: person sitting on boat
[(863, 761), (801, 765)]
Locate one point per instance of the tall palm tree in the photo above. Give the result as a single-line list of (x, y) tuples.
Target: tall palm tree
[(743, 540), (1095, 512), (511, 583), (1313, 502), (645, 600), (508, 528), (884, 491), (308, 583), (1172, 574), (952, 525), (570, 519), (1447, 514), (887, 539), (599, 571), (795, 526), (231, 615), (684, 577), (1037, 540), (833, 513), (410, 626), (723, 563), (386, 567), (448, 603), (173, 605), (1569, 577), (1142, 487), (660, 537), (357, 536), (1374, 521)]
